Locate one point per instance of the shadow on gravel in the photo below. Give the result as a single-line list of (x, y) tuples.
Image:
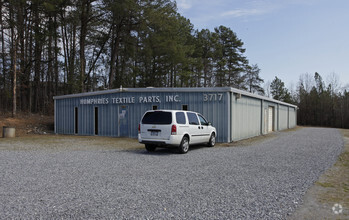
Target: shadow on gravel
[(157, 152), (168, 151)]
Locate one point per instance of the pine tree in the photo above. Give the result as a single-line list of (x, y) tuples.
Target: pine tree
[(229, 58), (253, 80), (279, 91)]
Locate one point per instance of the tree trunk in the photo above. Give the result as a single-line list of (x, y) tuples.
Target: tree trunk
[(3, 57), (13, 52), (55, 91), (85, 8), (65, 52), (71, 77), (113, 60), (14, 86), (37, 52), (23, 43)]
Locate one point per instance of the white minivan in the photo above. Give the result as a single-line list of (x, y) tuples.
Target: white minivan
[(161, 128)]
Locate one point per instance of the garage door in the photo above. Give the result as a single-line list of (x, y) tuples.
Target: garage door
[(271, 119)]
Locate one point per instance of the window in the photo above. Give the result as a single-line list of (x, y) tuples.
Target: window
[(157, 117), (155, 107), (203, 121), (193, 119), (180, 118), (185, 107)]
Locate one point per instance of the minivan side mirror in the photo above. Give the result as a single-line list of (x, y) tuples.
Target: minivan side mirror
[(209, 124)]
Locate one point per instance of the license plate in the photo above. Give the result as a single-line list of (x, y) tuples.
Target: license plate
[(154, 133)]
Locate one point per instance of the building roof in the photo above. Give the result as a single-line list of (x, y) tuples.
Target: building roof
[(177, 89)]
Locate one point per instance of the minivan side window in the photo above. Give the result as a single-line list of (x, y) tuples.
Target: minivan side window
[(202, 120), (180, 118), (193, 120)]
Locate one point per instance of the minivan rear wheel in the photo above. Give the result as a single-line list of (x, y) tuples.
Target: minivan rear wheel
[(212, 140), (150, 147), (184, 146)]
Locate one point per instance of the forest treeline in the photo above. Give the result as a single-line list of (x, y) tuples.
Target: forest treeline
[(56, 47), (318, 104)]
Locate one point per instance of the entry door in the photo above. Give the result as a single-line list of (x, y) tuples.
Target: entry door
[(76, 120), (266, 116), (96, 121), (123, 121), (271, 119)]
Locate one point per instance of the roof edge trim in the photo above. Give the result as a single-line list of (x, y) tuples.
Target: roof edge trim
[(182, 89)]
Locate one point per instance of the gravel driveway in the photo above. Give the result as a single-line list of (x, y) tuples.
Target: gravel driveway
[(264, 180)]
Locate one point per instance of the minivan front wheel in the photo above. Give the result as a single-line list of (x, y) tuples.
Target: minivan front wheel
[(184, 146), (212, 140), (150, 147)]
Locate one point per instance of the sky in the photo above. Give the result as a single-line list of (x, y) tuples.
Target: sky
[(285, 38)]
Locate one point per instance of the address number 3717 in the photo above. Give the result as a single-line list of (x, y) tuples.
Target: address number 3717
[(209, 97)]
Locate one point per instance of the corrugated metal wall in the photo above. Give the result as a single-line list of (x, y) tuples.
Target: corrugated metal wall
[(111, 121), (283, 117), (64, 116), (246, 117), (292, 117), (252, 117)]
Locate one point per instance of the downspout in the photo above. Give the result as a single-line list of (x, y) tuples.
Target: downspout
[(262, 116), (288, 117), (230, 108), (278, 117)]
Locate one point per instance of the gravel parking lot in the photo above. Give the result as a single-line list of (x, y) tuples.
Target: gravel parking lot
[(74, 177)]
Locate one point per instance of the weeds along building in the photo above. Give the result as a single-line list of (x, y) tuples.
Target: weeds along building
[(236, 114)]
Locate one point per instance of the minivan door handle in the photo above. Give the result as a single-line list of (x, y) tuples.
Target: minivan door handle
[(199, 127)]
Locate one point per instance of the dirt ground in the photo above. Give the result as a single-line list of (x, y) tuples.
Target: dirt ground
[(27, 124)]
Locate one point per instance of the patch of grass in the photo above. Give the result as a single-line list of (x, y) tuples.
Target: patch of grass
[(69, 142), (346, 188), (325, 184), (344, 159), (334, 183)]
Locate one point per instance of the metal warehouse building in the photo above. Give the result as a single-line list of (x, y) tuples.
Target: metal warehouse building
[(236, 114)]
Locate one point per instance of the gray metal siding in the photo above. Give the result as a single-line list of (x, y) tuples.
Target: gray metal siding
[(246, 117), (292, 117), (283, 117), (64, 116)]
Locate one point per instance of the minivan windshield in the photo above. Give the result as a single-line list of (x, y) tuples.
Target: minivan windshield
[(157, 117)]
